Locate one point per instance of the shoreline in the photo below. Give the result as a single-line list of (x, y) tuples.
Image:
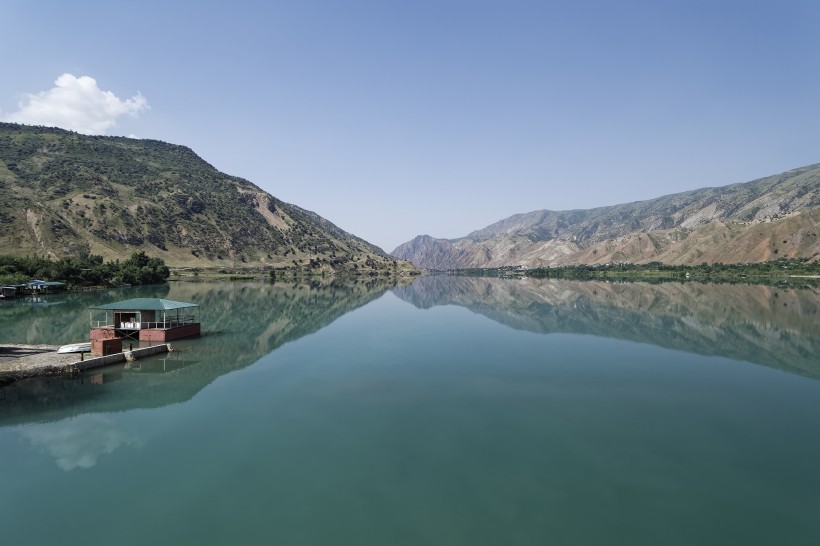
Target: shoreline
[(23, 361), (20, 361)]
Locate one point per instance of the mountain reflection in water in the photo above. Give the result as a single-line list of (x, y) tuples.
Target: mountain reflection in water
[(397, 424), (241, 322), (773, 326)]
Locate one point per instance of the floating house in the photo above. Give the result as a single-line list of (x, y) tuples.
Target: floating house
[(38, 286), (141, 319), (34, 287), (11, 291)]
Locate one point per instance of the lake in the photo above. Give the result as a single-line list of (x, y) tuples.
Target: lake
[(449, 411)]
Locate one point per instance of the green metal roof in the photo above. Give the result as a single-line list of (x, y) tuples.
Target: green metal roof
[(145, 304)]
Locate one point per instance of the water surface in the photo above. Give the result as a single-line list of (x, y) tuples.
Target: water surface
[(450, 411)]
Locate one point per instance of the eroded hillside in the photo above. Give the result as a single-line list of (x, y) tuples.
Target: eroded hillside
[(63, 193), (762, 220)]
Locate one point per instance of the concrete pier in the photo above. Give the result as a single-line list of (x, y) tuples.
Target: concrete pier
[(25, 361), (99, 361)]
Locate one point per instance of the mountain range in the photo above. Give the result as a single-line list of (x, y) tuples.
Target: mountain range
[(768, 218), (63, 193)]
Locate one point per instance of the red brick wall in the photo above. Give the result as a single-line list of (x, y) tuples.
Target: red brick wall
[(170, 334), (103, 333)]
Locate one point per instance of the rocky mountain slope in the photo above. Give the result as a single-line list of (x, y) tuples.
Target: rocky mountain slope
[(63, 193), (772, 217)]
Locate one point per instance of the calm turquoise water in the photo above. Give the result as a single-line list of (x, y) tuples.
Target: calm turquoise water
[(452, 411)]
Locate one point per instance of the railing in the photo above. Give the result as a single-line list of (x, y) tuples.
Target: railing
[(182, 321), (175, 323), (101, 324)]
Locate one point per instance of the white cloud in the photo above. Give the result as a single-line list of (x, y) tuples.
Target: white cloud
[(77, 104), (78, 442)]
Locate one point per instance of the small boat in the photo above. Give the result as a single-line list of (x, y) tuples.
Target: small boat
[(76, 348)]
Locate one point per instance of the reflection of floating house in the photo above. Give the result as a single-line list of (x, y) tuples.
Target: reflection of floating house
[(144, 319)]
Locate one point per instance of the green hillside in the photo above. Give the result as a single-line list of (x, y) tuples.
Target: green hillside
[(62, 194)]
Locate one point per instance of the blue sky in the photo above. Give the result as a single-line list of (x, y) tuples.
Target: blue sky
[(393, 119)]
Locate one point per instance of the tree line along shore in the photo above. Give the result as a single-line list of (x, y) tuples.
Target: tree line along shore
[(85, 270), (803, 270), (91, 270)]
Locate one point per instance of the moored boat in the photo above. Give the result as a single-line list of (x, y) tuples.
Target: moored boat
[(84, 347)]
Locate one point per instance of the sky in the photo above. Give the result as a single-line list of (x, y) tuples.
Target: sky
[(393, 119)]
